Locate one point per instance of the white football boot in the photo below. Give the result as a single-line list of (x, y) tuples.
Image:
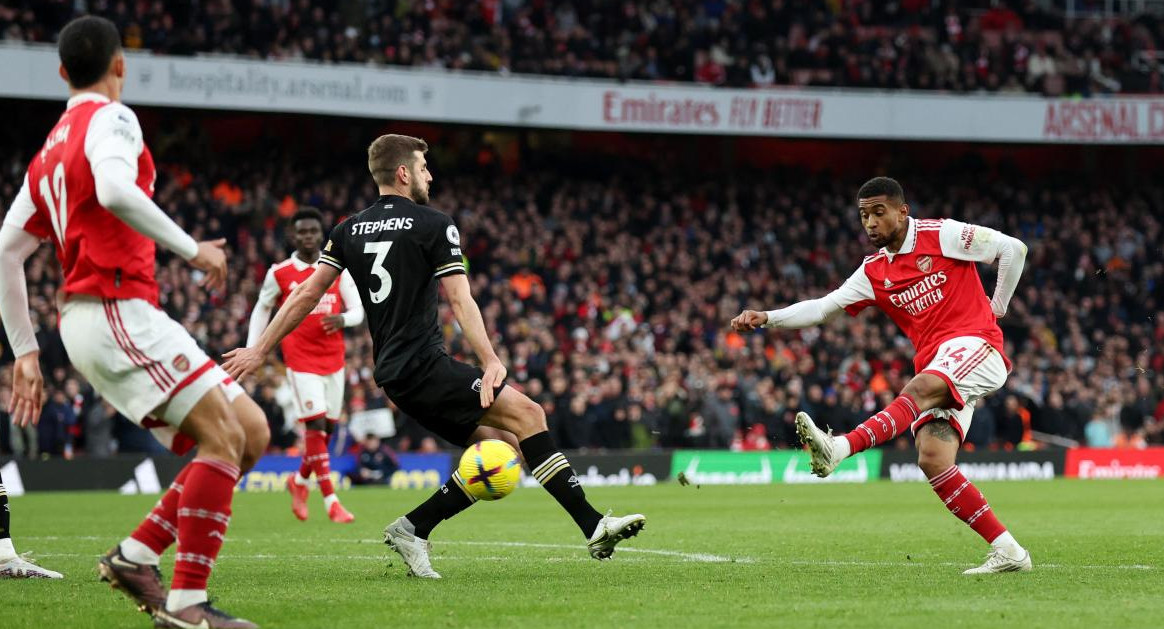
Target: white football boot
[(825, 457), (612, 530), (411, 548), (996, 561), (21, 568)]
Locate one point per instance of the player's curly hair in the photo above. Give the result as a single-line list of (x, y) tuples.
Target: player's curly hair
[(389, 152), (307, 212), (878, 186)]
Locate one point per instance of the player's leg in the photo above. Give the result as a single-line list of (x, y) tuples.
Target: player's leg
[(935, 387), (13, 566), (333, 396), (204, 509), (514, 413), (938, 441), (149, 368), (309, 405), (923, 392)]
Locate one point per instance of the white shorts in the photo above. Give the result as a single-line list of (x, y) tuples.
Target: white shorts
[(317, 395), (972, 369), (138, 359)]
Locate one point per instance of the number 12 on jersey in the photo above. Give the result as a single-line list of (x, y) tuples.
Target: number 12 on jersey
[(380, 250), (58, 204)]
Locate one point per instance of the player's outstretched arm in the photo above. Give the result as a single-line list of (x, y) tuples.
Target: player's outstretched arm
[(469, 316), (853, 295), (245, 361), (16, 245), (976, 243), (799, 315)]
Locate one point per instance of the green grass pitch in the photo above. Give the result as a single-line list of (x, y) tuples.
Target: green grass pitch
[(877, 555)]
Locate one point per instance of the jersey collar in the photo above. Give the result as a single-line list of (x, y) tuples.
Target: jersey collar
[(300, 263), (908, 244), (86, 97)]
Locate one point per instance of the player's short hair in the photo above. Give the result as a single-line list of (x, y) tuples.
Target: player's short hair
[(387, 152), (87, 46), (308, 212), (878, 186)]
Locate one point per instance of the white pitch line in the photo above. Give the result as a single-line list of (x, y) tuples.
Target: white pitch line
[(921, 564), (700, 557), (694, 557)]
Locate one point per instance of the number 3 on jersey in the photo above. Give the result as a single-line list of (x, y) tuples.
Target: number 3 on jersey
[(58, 204), (380, 249)]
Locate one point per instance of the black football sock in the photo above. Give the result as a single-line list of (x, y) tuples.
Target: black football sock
[(553, 471), (449, 500), (4, 515)]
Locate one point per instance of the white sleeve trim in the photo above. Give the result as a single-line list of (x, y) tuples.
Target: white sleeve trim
[(353, 313), (16, 245), (117, 192)]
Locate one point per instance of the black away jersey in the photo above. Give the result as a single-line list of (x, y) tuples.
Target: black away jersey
[(396, 251)]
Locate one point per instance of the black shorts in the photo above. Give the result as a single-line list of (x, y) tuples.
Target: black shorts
[(442, 394)]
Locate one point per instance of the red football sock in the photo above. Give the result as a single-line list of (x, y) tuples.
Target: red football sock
[(320, 460), (160, 527), (203, 515), (883, 426), (964, 500), (305, 460)]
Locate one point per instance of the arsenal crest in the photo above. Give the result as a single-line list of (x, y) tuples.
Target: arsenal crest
[(181, 363), (924, 264)]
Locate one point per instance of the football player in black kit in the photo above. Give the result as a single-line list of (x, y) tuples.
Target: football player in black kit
[(397, 251)]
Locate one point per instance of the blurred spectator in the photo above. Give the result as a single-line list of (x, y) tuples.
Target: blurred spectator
[(377, 463), (617, 323), (960, 47)]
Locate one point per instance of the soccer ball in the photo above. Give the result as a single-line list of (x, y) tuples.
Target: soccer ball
[(490, 469)]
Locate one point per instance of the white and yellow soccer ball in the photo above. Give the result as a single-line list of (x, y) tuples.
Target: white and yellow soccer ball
[(491, 469)]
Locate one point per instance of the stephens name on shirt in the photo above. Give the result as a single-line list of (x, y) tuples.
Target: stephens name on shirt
[(388, 224)]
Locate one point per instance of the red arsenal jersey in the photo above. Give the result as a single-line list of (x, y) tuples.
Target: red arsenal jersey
[(307, 349), (930, 287), (99, 254)]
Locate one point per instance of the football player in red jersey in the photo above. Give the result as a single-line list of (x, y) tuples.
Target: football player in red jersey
[(925, 278), (314, 355), (88, 191)]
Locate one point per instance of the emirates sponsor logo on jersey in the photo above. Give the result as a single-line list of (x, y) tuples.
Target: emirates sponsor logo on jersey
[(925, 264), (921, 295)]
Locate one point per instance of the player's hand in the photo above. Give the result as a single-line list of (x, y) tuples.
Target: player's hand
[(211, 259), (243, 361), (27, 390), (494, 376), (333, 323), (749, 320)]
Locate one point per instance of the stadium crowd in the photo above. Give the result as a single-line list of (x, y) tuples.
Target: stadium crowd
[(609, 301), (1005, 46)]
